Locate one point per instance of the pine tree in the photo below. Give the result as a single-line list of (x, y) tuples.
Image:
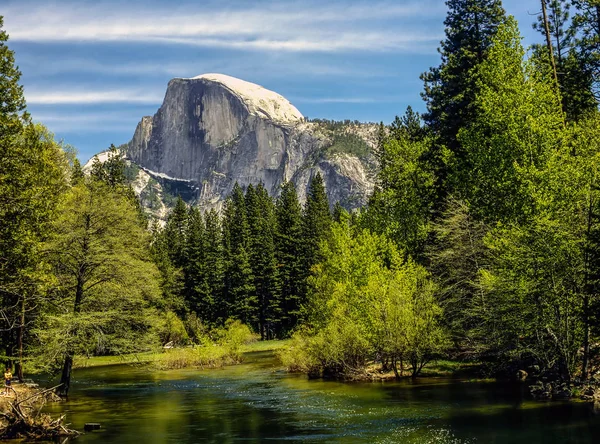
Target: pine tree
[(239, 291), (214, 266), (112, 170), (175, 231), (449, 90), (197, 292), (586, 25), (338, 213), (574, 80), (289, 256), (77, 174), (316, 222), (12, 101), (261, 223)]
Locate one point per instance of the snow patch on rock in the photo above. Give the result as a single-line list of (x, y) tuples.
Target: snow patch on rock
[(163, 175), (102, 157), (259, 100)]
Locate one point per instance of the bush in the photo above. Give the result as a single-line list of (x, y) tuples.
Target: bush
[(172, 329), (233, 336), (225, 351), (366, 304)]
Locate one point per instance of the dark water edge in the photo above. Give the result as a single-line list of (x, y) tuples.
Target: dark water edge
[(258, 402)]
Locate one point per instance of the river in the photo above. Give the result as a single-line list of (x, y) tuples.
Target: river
[(258, 402)]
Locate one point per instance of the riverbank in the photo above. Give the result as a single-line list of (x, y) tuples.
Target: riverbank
[(436, 369), (21, 414), (21, 391), (184, 357)]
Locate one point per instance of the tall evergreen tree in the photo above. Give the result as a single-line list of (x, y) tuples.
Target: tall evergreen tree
[(112, 170), (575, 81), (197, 292), (289, 256), (261, 224), (239, 290), (316, 222), (175, 233), (449, 91), (586, 24), (214, 266), (105, 282), (402, 202)]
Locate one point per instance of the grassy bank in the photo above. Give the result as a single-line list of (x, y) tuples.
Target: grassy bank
[(186, 357)]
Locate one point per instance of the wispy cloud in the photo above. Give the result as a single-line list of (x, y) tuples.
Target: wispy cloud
[(91, 97), (315, 27), (67, 122), (347, 100)]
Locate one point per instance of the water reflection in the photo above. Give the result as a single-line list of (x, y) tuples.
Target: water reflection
[(257, 402)]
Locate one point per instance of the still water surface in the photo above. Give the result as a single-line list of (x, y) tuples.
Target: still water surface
[(257, 402)]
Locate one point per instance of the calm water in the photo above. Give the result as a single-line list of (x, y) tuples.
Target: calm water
[(256, 402)]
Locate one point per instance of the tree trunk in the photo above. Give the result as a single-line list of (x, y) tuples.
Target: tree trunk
[(549, 41), (19, 365), (395, 367), (65, 379), (588, 288)]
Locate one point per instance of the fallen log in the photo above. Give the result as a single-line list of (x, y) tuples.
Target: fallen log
[(24, 419)]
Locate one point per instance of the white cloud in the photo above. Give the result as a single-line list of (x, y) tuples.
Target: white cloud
[(91, 97), (318, 27), (346, 100), (77, 121)]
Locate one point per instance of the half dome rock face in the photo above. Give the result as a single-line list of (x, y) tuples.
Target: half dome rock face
[(215, 130)]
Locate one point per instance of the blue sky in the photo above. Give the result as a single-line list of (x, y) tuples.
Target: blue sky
[(92, 69)]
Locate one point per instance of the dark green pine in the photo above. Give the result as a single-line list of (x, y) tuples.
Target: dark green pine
[(198, 296), (316, 222), (214, 266), (261, 221), (289, 251), (449, 91), (239, 291)]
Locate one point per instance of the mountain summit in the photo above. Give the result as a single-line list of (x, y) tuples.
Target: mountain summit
[(214, 130)]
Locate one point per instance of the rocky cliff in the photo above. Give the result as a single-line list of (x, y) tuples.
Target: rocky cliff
[(214, 130)]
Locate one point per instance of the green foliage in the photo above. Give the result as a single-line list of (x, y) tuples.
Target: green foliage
[(197, 290), (105, 284), (574, 77), (450, 88), (366, 304), (233, 336), (289, 248), (316, 221), (457, 260), (343, 138), (226, 351), (33, 175), (348, 143), (171, 329), (262, 225), (401, 205), (239, 290), (587, 39), (112, 170), (519, 121)]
